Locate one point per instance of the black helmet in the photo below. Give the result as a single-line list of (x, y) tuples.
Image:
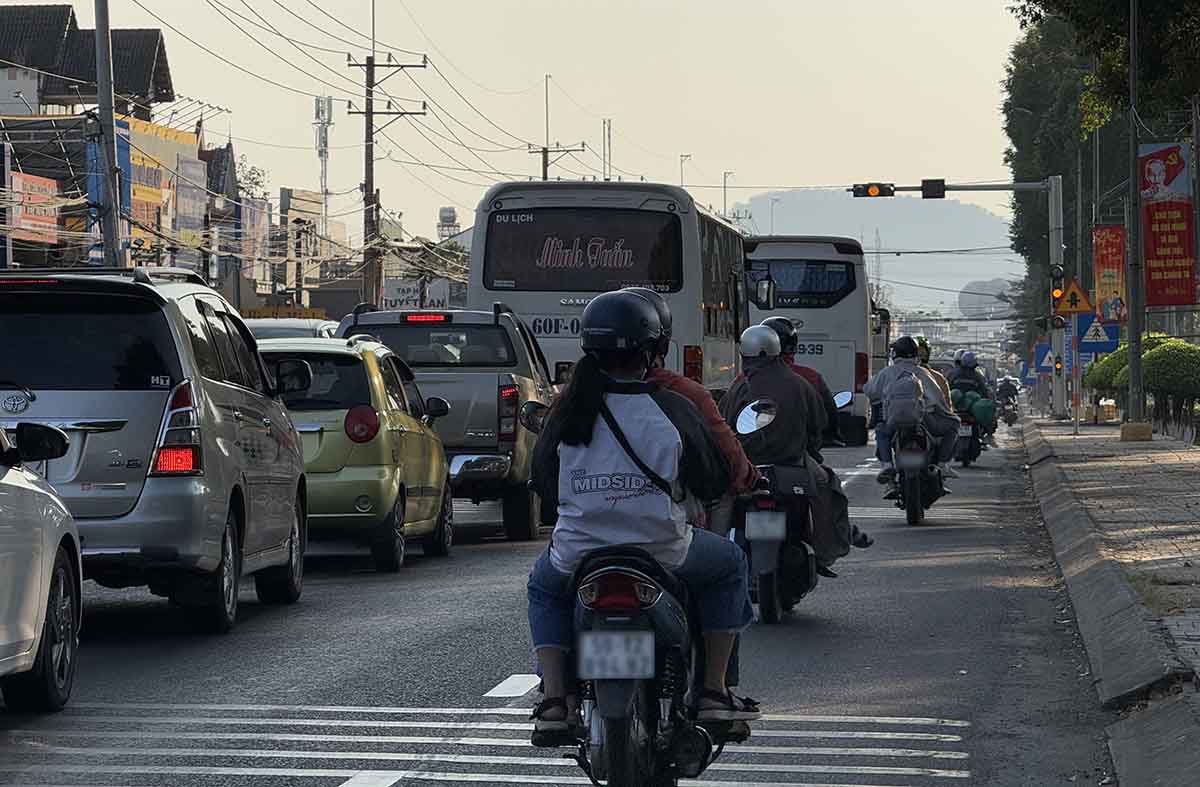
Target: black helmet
[(664, 314), (788, 335), (905, 347), (620, 320)]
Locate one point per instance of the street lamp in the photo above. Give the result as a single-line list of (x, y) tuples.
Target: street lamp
[(725, 191), (683, 157)]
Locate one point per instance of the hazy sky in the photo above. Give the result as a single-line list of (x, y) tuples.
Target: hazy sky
[(782, 92)]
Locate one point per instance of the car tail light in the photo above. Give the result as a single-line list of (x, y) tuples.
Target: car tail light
[(178, 451), (693, 362), (426, 318), (617, 591), (861, 371), (362, 423), (507, 402), (29, 282)]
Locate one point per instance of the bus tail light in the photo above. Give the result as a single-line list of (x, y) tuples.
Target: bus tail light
[(861, 371), (508, 401), (693, 362)]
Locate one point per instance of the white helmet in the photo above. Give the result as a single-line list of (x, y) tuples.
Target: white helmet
[(759, 341)]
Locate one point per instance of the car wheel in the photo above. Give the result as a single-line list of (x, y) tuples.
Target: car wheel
[(521, 515), (389, 549), (440, 543), (47, 687), (284, 584), (221, 604)]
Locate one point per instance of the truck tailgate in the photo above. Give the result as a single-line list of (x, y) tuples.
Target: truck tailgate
[(473, 398)]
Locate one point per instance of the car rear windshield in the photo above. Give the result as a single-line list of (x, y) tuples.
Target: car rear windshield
[(446, 344), (583, 250), (339, 382), (86, 341)]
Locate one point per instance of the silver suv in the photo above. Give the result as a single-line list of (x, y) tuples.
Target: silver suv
[(184, 471)]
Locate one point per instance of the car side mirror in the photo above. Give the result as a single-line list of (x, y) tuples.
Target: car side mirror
[(292, 376), (38, 442), (764, 294), (533, 416), (436, 407)]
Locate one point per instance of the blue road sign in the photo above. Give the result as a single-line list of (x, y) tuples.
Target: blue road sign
[(1068, 348), (1043, 358), (1096, 336), (1027, 375)]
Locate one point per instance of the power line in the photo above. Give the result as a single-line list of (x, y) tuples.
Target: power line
[(358, 33)]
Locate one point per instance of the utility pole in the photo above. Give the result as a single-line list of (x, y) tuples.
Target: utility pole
[(372, 258), (1057, 335), (1134, 279), (774, 202), (110, 192), (683, 159), (322, 121), (725, 191), (557, 148), (1079, 272)]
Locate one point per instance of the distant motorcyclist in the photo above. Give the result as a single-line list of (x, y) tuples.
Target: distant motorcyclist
[(969, 377), (939, 418), (789, 340), (791, 439), (923, 352), (1007, 390)]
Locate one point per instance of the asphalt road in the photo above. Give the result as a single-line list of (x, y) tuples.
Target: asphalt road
[(944, 655)]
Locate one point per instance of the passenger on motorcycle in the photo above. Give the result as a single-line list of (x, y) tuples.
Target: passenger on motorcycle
[(793, 439), (609, 422), (923, 351), (969, 377), (938, 416), (744, 474), (789, 341)]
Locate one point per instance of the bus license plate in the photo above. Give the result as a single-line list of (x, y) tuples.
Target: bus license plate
[(766, 525), (616, 655), (964, 431)]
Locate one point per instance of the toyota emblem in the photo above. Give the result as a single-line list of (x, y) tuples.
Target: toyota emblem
[(15, 404)]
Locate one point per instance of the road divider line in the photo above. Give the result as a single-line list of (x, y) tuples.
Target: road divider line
[(453, 739), (547, 761), (908, 720), (515, 686)]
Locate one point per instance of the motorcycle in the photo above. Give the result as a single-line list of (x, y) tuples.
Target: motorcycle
[(919, 482), (970, 440), (639, 654), (1008, 412)]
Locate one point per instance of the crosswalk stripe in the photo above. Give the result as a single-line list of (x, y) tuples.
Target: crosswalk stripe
[(462, 741), (514, 686)]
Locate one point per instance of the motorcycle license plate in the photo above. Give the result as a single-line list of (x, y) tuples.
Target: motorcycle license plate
[(964, 431), (911, 461), (766, 525), (616, 655)]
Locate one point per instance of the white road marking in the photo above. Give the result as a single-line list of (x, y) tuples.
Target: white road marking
[(371, 780), (915, 721), (464, 741), (880, 512), (514, 686)]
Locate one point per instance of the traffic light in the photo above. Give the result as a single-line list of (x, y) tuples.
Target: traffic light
[(1057, 286), (874, 189), (1058, 366)]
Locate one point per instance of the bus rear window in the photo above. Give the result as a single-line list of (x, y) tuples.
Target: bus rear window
[(582, 250), (806, 283)]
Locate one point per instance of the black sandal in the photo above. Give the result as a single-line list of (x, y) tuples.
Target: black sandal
[(729, 707), (553, 733)]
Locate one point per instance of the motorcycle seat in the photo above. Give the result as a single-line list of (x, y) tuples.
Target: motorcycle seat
[(634, 558)]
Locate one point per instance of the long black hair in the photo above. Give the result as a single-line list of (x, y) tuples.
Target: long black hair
[(579, 403)]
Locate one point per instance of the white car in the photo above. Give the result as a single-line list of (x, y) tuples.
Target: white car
[(40, 570)]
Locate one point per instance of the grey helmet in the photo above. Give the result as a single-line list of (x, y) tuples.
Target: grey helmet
[(759, 341)]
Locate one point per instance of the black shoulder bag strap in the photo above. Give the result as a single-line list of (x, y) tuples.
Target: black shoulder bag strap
[(654, 477)]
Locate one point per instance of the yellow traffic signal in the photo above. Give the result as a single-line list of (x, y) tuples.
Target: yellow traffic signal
[(873, 190), (1056, 293), (1058, 366), (1058, 286)]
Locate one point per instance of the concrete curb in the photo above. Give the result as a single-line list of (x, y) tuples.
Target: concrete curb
[(1128, 652), (1158, 746)]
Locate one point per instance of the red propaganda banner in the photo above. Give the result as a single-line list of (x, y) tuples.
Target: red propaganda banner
[(1108, 256), (1167, 225)]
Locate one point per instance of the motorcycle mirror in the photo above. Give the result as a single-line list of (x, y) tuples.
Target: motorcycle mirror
[(756, 415), (532, 415), (843, 399)]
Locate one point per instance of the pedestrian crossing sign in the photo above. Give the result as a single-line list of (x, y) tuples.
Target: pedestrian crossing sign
[(1073, 301)]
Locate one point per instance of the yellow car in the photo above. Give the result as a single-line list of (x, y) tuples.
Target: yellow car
[(376, 468)]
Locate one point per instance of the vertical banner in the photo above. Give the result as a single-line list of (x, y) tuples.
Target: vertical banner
[(1167, 224), (256, 221), (191, 201), (5, 240), (1108, 259)]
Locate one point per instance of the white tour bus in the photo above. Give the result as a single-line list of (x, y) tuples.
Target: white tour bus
[(821, 285), (546, 248)]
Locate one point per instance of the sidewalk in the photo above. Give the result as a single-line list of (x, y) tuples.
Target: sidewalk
[(1125, 521)]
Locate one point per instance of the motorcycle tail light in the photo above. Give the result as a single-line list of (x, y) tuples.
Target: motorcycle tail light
[(647, 594), (617, 591)]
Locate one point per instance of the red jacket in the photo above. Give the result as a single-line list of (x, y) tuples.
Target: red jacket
[(741, 470)]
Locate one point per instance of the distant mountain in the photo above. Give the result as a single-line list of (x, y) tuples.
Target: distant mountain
[(904, 223)]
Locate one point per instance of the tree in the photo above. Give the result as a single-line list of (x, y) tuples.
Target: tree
[(1168, 49), (252, 180)]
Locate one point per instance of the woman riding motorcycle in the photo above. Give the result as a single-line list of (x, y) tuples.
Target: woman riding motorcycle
[(629, 435)]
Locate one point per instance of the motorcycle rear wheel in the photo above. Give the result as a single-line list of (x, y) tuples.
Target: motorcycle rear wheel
[(629, 748), (770, 598), (913, 511)]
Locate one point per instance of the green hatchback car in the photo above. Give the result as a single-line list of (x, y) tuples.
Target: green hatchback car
[(376, 468)]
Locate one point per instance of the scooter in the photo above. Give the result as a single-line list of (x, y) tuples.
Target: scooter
[(970, 440), (1008, 412), (640, 654), (919, 482)]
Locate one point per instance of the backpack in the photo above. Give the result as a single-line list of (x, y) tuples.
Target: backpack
[(904, 400)]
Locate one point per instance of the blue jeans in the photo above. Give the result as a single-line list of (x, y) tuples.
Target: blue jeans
[(943, 427), (715, 571)]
